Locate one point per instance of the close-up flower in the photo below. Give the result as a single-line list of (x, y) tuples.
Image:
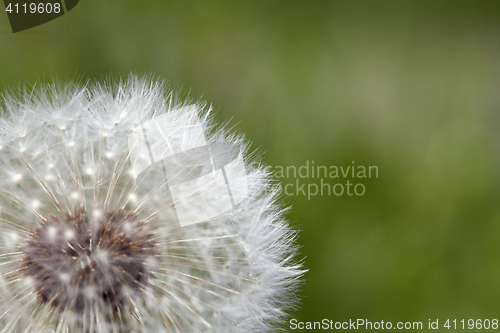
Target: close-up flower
[(126, 209)]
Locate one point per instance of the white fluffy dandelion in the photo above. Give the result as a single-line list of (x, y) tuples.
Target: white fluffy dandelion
[(123, 210)]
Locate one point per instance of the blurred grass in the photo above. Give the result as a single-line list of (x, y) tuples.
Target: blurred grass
[(409, 86)]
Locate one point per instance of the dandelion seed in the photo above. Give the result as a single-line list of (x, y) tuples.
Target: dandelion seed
[(127, 211)]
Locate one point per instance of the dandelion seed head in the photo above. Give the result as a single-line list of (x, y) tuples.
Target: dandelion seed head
[(17, 177), (28, 282), (93, 253), (51, 232), (132, 198), (13, 237), (125, 209), (64, 278), (96, 213), (69, 234), (35, 203)]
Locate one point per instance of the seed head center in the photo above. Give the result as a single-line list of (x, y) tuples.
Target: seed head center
[(75, 263)]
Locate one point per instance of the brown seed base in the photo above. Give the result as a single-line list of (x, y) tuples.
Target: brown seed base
[(78, 264)]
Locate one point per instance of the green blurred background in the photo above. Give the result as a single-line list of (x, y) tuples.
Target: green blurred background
[(409, 86)]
